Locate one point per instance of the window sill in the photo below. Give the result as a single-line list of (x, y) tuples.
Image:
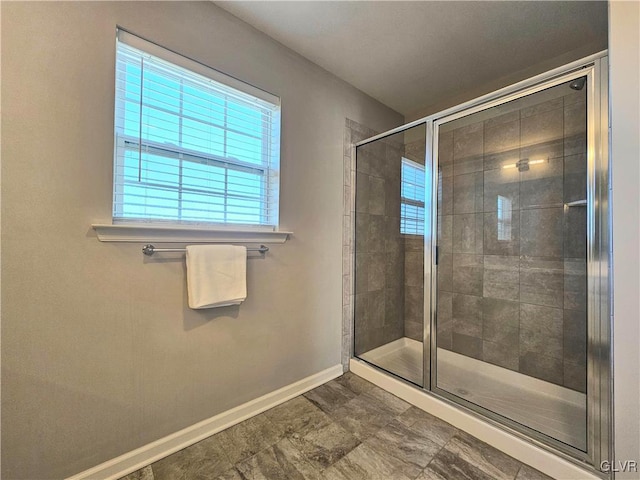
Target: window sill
[(145, 233)]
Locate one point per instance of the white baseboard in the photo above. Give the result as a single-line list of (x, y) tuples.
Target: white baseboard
[(538, 458), (152, 452)]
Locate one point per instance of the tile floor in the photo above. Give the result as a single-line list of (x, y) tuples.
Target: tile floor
[(346, 429)]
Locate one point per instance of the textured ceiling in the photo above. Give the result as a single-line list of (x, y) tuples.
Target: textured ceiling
[(409, 55)]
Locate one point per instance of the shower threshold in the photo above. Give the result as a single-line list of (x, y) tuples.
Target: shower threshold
[(548, 408)]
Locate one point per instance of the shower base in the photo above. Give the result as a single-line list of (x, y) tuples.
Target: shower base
[(403, 357), (548, 408)]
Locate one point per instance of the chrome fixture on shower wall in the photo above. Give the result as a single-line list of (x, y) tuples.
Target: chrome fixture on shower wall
[(523, 164)]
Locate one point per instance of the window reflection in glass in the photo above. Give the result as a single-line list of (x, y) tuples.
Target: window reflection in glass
[(504, 218)]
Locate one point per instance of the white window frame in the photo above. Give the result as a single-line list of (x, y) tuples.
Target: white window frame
[(131, 229), (410, 201)]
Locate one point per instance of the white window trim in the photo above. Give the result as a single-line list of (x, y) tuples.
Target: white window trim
[(185, 234), (154, 231)]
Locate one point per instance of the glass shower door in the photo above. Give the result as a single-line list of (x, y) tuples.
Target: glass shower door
[(511, 294), (389, 253)]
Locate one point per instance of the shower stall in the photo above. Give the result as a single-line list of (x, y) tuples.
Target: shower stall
[(481, 258)]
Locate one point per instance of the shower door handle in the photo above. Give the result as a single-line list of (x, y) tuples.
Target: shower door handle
[(436, 255)]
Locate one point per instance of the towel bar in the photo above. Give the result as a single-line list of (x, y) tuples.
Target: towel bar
[(150, 249)]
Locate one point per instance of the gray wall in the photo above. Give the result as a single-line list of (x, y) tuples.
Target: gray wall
[(624, 51), (100, 354)]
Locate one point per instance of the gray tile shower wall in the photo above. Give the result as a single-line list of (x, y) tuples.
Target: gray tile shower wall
[(353, 133), (387, 301), (512, 266), (378, 296), (414, 287)]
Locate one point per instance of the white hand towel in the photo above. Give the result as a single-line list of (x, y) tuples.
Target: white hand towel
[(216, 275)]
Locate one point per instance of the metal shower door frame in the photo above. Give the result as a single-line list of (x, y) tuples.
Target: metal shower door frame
[(599, 314), (599, 256)]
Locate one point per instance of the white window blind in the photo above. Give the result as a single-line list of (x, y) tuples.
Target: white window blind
[(412, 198), (192, 145)]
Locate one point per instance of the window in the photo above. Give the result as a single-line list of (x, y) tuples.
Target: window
[(192, 145), (504, 218), (412, 198)]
